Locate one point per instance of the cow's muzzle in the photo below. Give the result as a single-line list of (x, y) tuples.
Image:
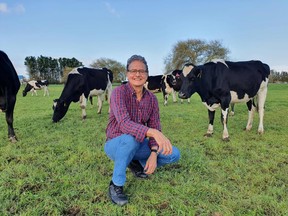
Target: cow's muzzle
[(182, 95)]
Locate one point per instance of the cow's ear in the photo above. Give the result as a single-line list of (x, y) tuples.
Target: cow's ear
[(197, 72)]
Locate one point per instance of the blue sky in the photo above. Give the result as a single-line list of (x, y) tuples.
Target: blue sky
[(117, 29)]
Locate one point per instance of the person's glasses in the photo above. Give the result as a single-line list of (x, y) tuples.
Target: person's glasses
[(134, 72)]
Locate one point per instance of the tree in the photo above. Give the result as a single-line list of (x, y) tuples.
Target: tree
[(117, 68), (194, 51), (66, 71), (49, 68), (32, 67)]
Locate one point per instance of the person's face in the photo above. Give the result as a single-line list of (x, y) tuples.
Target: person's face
[(137, 74)]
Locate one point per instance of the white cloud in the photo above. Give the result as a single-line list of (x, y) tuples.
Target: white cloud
[(19, 8), (111, 9), (3, 8)]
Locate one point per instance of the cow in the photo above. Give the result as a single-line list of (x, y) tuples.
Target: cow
[(221, 83), (171, 83), (82, 83), (9, 87), (153, 83), (34, 85)]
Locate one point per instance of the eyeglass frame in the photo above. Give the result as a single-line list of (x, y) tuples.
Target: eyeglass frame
[(135, 71)]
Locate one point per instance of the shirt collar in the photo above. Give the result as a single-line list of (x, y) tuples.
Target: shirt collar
[(132, 91)]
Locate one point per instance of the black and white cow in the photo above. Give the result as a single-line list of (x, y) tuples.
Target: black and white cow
[(223, 82), (171, 83), (9, 87), (153, 83), (34, 85), (81, 84)]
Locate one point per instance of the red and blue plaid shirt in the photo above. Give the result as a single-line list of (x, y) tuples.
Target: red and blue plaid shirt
[(130, 116)]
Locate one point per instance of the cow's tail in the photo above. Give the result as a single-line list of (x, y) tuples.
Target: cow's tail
[(255, 103), (91, 100)]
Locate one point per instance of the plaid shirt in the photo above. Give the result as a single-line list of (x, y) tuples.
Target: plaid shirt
[(130, 116)]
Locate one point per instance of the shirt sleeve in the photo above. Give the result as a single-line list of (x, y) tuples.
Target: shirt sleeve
[(127, 126)]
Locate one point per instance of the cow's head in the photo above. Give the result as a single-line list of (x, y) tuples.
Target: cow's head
[(60, 109), (176, 79), (27, 89), (72, 91), (189, 76)]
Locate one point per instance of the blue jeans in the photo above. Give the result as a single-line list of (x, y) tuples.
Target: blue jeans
[(123, 149)]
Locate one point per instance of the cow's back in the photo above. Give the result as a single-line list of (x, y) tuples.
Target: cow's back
[(247, 76), (95, 78)]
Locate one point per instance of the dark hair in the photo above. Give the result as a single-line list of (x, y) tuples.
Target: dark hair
[(136, 58)]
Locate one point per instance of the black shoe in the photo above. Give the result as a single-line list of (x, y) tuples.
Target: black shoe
[(137, 169), (116, 194)]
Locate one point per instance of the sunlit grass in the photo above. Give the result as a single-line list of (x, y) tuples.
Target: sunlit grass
[(61, 169)]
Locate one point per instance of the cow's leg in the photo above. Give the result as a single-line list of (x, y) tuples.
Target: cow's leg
[(251, 109), (46, 91), (100, 102), (174, 96), (232, 109), (83, 102), (165, 95), (9, 119), (188, 100), (261, 103), (34, 92), (224, 120), (211, 115)]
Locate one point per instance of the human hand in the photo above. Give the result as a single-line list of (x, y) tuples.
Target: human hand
[(165, 146), (151, 164)]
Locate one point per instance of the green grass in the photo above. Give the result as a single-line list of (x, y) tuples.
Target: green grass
[(61, 169)]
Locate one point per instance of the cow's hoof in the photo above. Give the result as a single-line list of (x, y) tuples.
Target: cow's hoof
[(260, 132), (226, 139), (84, 117), (13, 139), (208, 135)]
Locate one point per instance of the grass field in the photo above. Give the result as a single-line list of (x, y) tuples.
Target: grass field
[(61, 169)]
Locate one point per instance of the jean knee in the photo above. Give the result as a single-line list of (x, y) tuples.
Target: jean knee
[(130, 140), (176, 154)]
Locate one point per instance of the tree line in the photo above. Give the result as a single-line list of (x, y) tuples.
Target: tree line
[(189, 51), (51, 69)]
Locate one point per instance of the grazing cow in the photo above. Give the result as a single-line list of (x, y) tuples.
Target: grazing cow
[(223, 82), (171, 83), (81, 84), (34, 85), (153, 83), (9, 87)]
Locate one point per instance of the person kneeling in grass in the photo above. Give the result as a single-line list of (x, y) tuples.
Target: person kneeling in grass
[(134, 137)]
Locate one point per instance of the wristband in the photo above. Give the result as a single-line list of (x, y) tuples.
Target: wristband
[(154, 150)]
